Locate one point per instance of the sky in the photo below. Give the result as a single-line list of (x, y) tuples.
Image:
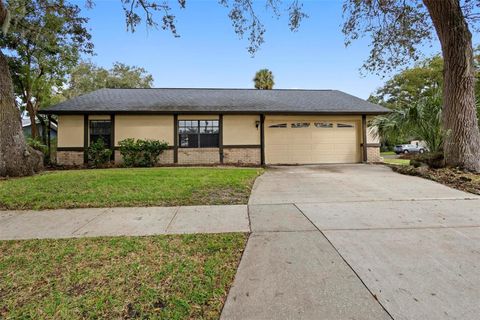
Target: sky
[(209, 54)]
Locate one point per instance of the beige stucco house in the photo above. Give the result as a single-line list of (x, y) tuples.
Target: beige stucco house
[(222, 126)]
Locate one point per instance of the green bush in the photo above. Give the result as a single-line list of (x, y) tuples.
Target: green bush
[(99, 154), (141, 153), (37, 145)]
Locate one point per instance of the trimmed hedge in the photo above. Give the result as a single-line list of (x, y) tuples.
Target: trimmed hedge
[(141, 153)]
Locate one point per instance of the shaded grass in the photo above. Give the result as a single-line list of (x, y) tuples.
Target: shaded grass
[(400, 162), (158, 277), (129, 187)]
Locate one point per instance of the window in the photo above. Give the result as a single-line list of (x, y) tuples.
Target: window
[(101, 129), (198, 133), (278, 125), (323, 125), (300, 125), (345, 125)]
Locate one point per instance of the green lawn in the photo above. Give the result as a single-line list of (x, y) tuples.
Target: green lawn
[(160, 277), (387, 153), (128, 187), (400, 162)]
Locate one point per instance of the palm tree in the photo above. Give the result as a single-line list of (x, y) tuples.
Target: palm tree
[(264, 79), (421, 120)]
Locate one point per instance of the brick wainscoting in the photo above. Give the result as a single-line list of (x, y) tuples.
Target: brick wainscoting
[(241, 156), (70, 158), (373, 154), (198, 156)]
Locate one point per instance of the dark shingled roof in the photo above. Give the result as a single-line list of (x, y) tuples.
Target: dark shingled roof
[(216, 101)]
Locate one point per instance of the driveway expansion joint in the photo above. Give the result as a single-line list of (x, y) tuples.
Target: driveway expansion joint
[(348, 264)]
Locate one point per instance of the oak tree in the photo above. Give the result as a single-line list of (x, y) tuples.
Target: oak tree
[(398, 29)]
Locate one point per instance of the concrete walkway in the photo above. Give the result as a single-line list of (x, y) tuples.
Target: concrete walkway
[(357, 242), (122, 222)]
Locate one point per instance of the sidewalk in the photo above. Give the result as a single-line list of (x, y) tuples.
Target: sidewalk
[(135, 221)]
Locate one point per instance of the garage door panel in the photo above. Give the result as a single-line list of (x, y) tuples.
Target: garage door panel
[(350, 148), (300, 147), (312, 144)]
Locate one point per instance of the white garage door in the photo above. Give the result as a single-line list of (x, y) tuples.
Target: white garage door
[(305, 142)]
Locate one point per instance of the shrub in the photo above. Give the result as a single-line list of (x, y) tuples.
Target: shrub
[(99, 154), (37, 145), (141, 153)]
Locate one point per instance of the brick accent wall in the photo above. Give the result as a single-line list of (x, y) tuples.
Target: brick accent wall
[(198, 156), (373, 154), (70, 158), (241, 156), (166, 157)]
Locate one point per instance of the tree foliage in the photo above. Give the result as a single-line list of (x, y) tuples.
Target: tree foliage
[(420, 120), (242, 13), (397, 29), (411, 91), (264, 79), (413, 84), (87, 77), (410, 85), (44, 41)]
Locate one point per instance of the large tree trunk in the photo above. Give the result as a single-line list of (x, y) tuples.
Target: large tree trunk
[(462, 141), (16, 158)]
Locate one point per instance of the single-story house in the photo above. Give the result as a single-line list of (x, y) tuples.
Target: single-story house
[(222, 126)]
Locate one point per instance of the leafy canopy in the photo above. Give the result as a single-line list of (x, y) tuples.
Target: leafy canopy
[(87, 77), (409, 86), (44, 41), (397, 29), (242, 13)]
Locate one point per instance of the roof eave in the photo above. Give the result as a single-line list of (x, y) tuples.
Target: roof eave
[(83, 112)]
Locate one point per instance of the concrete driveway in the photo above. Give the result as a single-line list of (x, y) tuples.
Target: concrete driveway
[(357, 242)]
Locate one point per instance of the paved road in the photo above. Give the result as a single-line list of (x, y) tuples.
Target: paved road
[(357, 242)]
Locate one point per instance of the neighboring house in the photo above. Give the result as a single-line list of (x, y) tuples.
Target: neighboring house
[(27, 128), (229, 126)]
